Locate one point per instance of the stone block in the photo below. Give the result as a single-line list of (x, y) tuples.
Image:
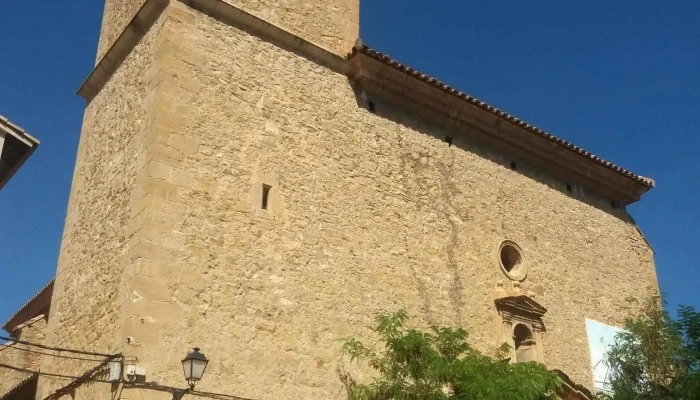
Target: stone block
[(163, 117), (150, 289), (151, 251), (182, 15), (159, 170), (184, 294), (186, 144), (140, 331), (136, 305), (160, 189), (164, 153), (140, 203), (191, 85), (156, 269), (160, 205), (154, 134), (162, 311), (163, 237), (184, 178)]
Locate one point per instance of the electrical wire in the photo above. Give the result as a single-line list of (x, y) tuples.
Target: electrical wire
[(170, 389), (61, 349), (217, 396), (47, 374), (49, 354), (88, 376)]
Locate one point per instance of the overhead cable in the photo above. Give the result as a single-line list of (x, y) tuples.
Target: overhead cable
[(41, 346)]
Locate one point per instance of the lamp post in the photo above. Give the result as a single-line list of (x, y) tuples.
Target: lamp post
[(193, 366)]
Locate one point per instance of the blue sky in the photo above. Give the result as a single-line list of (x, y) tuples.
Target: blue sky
[(621, 79)]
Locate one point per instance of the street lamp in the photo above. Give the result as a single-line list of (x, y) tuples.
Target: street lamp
[(193, 365)]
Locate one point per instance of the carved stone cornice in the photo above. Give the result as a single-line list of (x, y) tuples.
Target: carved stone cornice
[(521, 309), (378, 74)]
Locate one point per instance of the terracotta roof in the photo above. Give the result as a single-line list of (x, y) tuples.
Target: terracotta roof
[(361, 47), (22, 389), (18, 130), (15, 320), (17, 147), (573, 389)]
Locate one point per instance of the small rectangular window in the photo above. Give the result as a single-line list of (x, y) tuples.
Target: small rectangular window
[(513, 165), (266, 196), (569, 188), (371, 106), (448, 140)]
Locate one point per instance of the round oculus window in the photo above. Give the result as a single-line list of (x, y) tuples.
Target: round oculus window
[(510, 257)]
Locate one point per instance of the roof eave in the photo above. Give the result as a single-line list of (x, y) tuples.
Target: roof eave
[(27, 141), (35, 306), (378, 74), (571, 390), (27, 384)]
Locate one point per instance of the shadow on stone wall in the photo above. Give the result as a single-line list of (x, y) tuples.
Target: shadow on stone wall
[(464, 140)]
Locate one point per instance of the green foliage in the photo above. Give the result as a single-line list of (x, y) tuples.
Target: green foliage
[(656, 358), (441, 365)]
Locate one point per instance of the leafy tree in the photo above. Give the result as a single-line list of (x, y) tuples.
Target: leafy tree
[(441, 365), (656, 357)]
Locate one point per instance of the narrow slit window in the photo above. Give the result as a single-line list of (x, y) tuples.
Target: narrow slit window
[(266, 196), (448, 140), (568, 187), (513, 165), (371, 106)]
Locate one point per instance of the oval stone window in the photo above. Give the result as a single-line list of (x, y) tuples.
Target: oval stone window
[(511, 259)]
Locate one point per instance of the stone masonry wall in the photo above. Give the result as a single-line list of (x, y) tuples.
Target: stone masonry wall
[(9, 355), (117, 15), (333, 24), (92, 275), (367, 213), (17, 355)]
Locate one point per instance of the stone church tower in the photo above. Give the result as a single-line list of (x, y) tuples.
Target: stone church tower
[(253, 181)]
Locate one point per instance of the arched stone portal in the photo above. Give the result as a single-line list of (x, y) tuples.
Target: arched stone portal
[(522, 327), (525, 345)]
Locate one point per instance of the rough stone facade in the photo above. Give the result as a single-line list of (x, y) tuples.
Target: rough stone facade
[(92, 268), (19, 360), (21, 356), (333, 24), (167, 247)]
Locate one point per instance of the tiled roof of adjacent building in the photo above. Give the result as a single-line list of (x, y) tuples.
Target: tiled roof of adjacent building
[(571, 389), (361, 47), (40, 301), (23, 389), (17, 146)]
